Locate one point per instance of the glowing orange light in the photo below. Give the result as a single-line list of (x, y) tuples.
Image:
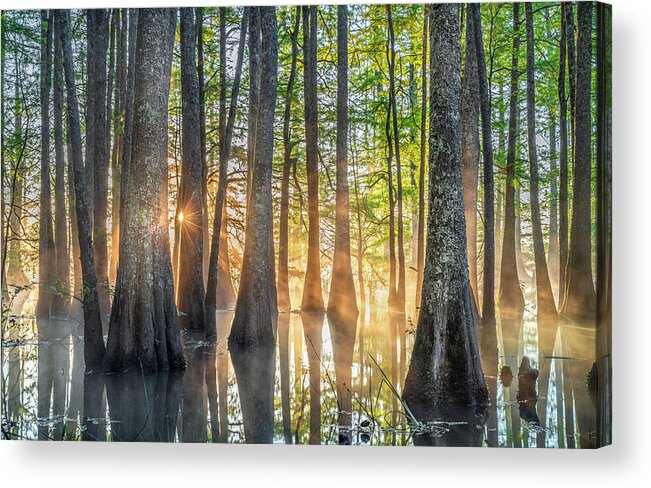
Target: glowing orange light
[(180, 216)]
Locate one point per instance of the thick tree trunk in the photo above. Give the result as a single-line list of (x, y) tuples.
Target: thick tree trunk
[(284, 301), (563, 163), (470, 149), (98, 34), (445, 366), (93, 340), (546, 307), (254, 323), (214, 275), (511, 299), (580, 298), (61, 225), (400, 291), (144, 329), (46, 250), (190, 288), (423, 160), (342, 302), (312, 300)]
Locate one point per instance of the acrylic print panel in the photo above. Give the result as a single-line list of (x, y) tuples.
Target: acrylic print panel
[(364, 224)]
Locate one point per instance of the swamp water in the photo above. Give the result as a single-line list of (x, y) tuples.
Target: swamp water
[(306, 391)]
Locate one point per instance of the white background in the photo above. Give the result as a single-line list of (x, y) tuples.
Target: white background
[(626, 463)]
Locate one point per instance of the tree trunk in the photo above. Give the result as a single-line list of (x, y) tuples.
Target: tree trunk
[(488, 331), (604, 224), (98, 34), (360, 238), (190, 288), (392, 205), (553, 205), (470, 149), (284, 301), (77, 274), (93, 340), (342, 302), (400, 291), (61, 225), (445, 366), (144, 330), (546, 307), (580, 299), (423, 160), (118, 143), (253, 324), (128, 109), (511, 299), (312, 291), (205, 235), (563, 163), (225, 291), (46, 250), (214, 276)]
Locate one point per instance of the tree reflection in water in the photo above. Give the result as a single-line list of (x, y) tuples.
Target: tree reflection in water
[(326, 383)]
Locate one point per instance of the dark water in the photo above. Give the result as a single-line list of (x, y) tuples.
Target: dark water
[(308, 390)]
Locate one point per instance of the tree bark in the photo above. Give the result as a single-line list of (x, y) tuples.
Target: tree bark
[(46, 249), (445, 367), (400, 290), (552, 250), (423, 160), (511, 299), (604, 224), (98, 34), (144, 329), (546, 307), (488, 330), (61, 225), (580, 298), (190, 288), (254, 324), (128, 109), (563, 163), (205, 235), (284, 301), (312, 300), (93, 340), (470, 149), (118, 143), (214, 276), (225, 291), (342, 302)]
